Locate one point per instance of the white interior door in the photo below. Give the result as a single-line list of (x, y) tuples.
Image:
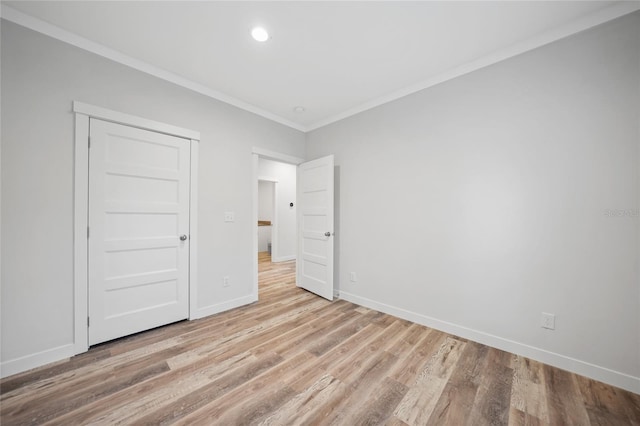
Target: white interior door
[(315, 226), (138, 230)]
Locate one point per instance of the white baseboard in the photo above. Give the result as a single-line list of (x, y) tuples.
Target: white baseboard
[(283, 258), (614, 378), (225, 306), (27, 362)]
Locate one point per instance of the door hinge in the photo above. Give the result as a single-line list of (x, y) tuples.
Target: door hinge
[(87, 232), (89, 138), (88, 322)]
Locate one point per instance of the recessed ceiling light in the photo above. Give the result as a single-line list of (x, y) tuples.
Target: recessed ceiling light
[(259, 34), (299, 109)]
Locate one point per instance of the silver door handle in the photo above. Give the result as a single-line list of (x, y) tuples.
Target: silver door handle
[(183, 237), (327, 234)]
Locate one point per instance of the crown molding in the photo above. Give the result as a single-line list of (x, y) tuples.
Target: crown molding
[(604, 15), (566, 30), (35, 24)]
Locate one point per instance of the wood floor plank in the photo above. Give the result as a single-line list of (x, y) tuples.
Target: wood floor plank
[(456, 400), (367, 378), (565, 402), (128, 406), (415, 357), (346, 365), (264, 394), (520, 418), (187, 404), (394, 421), (21, 380), (381, 404), (292, 358), (492, 403), (606, 404), (329, 317), (309, 403), (418, 404), (343, 332), (38, 411), (409, 339), (528, 393)]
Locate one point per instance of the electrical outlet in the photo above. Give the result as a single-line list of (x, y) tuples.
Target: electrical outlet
[(548, 321), (353, 277), (229, 217), (225, 281)]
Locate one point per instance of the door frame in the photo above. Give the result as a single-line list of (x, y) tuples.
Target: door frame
[(266, 154), (83, 112)]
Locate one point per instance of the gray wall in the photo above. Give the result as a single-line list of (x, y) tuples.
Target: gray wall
[(473, 205), (481, 202), (40, 79)]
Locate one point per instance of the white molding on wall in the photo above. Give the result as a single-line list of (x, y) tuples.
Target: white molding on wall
[(224, 306), (267, 179), (35, 24), (80, 225), (275, 224), (83, 113), (566, 30), (599, 17), (193, 228), (133, 121), (276, 156), (27, 362), (564, 362)]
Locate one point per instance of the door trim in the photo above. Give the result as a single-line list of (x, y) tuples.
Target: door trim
[(83, 112), (256, 154)]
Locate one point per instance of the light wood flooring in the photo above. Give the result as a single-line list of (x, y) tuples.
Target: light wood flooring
[(295, 359)]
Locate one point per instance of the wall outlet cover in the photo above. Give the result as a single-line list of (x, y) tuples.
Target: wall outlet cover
[(548, 321)]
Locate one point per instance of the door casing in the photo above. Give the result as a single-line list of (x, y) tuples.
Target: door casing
[(81, 207)]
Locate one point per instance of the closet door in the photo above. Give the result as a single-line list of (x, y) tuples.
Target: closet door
[(138, 236)]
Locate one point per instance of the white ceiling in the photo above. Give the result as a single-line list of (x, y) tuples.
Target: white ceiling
[(332, 58)]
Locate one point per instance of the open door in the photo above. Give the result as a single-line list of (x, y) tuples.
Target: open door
[(315, 226)]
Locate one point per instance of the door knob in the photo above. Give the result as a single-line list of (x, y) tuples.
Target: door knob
[(183, 237), (327, 234)]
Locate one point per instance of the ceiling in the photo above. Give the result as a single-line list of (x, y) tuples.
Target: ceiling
[(332, 58)]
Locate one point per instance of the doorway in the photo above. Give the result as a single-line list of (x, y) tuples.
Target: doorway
[(275, 221), (312, 242)]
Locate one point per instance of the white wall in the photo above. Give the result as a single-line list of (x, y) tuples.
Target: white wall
[(265, 212), (40, 79), (265, 200), (284, 242), (477, 204)]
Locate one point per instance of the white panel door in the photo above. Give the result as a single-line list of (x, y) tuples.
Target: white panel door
[(315, 226), (138, 230)]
